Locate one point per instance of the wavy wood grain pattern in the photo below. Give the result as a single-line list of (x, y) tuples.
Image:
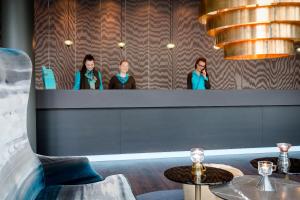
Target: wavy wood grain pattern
[(280, 73), (62, 56), (160, 63), (297, 72), (41, 29), (193, 42), (88, 31), (270, 74), (96, 29), (137, 41), (110, 36)]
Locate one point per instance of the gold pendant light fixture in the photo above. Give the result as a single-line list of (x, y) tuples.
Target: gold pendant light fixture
[(252, 29)]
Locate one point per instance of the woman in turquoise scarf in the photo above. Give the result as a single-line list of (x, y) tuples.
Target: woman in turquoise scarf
[(122, 80), (198, 79), (88, 77)]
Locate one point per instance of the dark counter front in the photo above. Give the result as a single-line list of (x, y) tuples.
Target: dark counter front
[(114, 122)]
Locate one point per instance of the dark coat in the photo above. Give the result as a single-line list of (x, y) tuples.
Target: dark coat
[(84, 83), (116, 84)]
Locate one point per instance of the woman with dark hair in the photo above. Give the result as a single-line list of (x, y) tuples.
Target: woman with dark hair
[(122, 80), (88, 77), (198, 79)]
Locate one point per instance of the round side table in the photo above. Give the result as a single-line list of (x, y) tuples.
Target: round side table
[(189, 190), (213, 176)]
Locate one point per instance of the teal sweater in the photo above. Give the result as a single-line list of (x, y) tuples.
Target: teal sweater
[(198, 81)]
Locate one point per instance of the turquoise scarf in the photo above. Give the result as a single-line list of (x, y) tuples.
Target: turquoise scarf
[(123, 80), (90, 76)]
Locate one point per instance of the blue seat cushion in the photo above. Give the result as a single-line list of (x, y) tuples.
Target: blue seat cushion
[(68, 171)]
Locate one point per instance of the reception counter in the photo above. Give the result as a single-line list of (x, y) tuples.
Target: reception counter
[(115, 122)]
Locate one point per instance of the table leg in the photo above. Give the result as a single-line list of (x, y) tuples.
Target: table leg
[(197, 192), (286, 177)]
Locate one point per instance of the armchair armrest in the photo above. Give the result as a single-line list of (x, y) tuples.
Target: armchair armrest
[(114, 187)]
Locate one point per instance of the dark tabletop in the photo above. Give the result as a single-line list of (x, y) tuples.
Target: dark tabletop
[(213, 176), (294, 168)]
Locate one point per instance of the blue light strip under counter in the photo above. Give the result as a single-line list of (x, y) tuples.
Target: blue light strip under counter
[(179, 154)]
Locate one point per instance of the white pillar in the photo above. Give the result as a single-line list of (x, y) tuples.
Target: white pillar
[(17, 25)]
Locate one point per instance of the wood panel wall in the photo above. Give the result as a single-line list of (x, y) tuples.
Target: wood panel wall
[(95, 27)]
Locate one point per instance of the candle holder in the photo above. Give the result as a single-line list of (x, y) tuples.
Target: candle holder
[(198, 170), (283, 161), (265, 169)]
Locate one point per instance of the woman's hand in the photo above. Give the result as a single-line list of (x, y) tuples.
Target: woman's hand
[(204, 73)]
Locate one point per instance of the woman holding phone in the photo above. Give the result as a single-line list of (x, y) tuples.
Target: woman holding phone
[(198, 79)]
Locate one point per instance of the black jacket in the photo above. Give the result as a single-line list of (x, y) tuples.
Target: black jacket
[(116, 84), (84, 83)]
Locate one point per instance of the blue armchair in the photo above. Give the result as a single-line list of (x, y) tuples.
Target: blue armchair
[(27, 176)]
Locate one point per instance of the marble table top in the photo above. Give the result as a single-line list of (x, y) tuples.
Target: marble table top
[(244, 188)]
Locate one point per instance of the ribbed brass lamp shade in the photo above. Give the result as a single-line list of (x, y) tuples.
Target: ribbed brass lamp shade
[(252, 29)]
